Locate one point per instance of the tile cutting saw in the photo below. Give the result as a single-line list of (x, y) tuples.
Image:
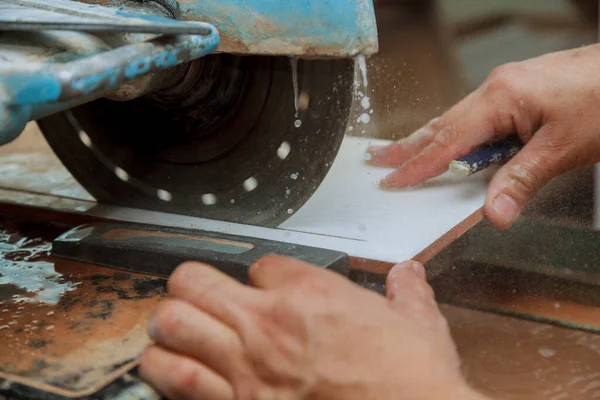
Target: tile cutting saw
[(230, 110)]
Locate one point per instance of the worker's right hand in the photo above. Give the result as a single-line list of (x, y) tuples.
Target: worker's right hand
[(552, 102), (301, 332)]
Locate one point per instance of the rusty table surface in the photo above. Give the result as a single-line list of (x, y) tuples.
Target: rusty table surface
[(68, 328), (72, 328)]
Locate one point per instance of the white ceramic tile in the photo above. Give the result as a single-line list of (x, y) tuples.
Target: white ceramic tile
[(389, 225)]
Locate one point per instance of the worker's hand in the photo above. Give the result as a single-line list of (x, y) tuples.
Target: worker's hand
[(299, 332), (552, 102)]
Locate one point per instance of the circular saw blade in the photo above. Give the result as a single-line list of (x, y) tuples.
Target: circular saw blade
[(230, 146)]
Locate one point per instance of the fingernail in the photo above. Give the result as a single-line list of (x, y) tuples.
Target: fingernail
[(507, 207), (386, 183), (399, 266), (391, 181), (413, 265), (375, 149), (418, 268), (375, 152), (151, 328)]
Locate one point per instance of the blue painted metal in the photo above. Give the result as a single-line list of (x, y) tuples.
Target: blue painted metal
[(28, 16), (41, 83), (344, 28), (320, 28), (30, 90)]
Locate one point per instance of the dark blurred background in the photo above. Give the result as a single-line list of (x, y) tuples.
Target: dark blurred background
[(433, 52)]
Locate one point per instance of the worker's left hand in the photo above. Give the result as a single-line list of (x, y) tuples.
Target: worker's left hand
[(551, 102), (300, 332)]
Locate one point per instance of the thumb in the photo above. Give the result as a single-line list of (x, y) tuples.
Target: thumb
[(543, 158), (405, 280), (410, 295)]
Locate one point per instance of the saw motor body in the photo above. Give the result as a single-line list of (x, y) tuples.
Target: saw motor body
[(230, 110)]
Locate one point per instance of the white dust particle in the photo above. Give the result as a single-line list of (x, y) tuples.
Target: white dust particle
[(547, 352), (365, 103), (364, 118)]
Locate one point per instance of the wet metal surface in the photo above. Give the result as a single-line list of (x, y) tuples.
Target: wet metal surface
[(512, 359), (524, 294), (68, 328), (537, 270)]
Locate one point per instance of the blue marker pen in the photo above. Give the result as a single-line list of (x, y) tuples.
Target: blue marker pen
[(496, 153)]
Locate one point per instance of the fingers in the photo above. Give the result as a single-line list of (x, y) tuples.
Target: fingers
[(402, 150), (398, 152), (407, 280), (273, 271), (495, 110), (458, 137), (178, 377), (408, 292), (543, 158), (213, 292), (180, 327)]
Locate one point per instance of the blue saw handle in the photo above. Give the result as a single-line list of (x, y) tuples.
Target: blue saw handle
[(496, 153)]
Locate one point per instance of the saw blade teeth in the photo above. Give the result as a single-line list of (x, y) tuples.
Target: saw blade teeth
[(122, 174), (250, 184), (85, 139), (209, 199), (164, 195), (284, 150)]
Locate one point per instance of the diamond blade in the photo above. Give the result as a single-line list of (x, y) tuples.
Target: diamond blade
[(232, 141)]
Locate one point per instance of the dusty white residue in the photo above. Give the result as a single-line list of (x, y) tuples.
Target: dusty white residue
[(575, 380), (361, 90), (365, 103), (362, 65), (45, 175), (547, 352), (364, 118), (294, 176), (294, 65), (590, 386)]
